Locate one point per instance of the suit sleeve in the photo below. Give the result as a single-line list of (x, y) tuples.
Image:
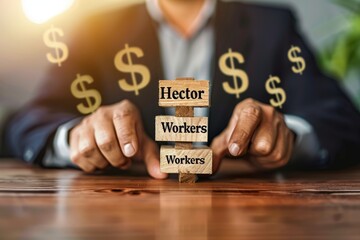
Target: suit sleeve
[(32, 129), (321, 102)]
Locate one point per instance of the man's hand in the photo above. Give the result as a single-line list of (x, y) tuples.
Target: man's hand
[(113, 135), (257, 133)]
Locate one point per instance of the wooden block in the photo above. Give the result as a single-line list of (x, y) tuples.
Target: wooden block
[(181, 129), (187, 178), (184, 93), (197, 160)]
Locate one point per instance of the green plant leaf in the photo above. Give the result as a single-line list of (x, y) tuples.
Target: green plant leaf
[(351, 5)]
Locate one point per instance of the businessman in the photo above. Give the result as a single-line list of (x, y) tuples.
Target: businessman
[(316, 127)]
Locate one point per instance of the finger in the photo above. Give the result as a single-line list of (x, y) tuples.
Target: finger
[(220, 149), (248, 120), (289, 141), (264, 139), (152, 159), (125, 127), (88, 150), (108, 144), (75, 155), (290, 150), (73, 143), (277, 157), (85, 165)]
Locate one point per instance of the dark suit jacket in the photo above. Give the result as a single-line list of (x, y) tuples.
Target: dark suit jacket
[(263, 35)]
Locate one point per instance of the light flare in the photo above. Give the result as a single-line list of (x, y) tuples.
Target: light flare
[(40, 11)]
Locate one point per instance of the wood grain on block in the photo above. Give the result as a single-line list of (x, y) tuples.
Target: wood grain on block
[(187, 178), (184, 93), (184, 111), (197, 160), (183, 145), (181, 129)]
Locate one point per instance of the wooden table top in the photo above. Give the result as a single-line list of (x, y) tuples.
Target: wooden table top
[(68, 204)]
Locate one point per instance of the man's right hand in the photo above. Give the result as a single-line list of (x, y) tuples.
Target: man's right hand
[(113, 135)]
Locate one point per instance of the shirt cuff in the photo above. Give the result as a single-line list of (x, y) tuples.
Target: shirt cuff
[(58, 155), (307, 150)]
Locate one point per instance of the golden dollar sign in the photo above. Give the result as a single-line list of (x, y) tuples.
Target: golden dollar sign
[(132, 69), (279, 93), (92, 96), (299, 61), (61, 50), (235, 73)]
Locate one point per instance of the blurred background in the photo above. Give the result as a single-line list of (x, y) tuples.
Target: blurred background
[(331, 27)]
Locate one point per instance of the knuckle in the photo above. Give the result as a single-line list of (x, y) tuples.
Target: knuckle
[(252, 112), (279, 121), (126, 134), (246, 102), (126, 104), (75, 158), (86, 120), (278, 157), (87, 151), (75, 131), (238, 107), (101, 111), (279, 116), (122, 113), (271, 111), (107, 145), (264, 148), (101, 116), (249, 100), (277, 124)]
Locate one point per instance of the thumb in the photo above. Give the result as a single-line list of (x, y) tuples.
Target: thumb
[(219, 148), (151, 157)]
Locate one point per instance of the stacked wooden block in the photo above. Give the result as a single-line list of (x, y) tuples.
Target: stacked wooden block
[(184, 129)]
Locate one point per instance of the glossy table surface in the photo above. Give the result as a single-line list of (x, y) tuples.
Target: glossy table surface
[(68, 204)]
